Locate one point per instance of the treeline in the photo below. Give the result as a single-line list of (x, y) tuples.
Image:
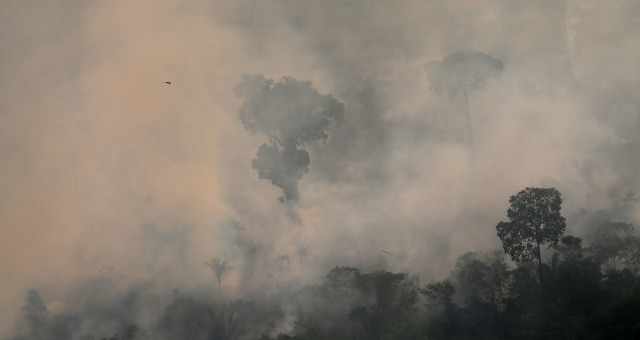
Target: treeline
[(588, 292), (542, 285), (583, 291)]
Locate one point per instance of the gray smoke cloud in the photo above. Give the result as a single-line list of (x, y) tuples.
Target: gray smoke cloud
[(103, 164)]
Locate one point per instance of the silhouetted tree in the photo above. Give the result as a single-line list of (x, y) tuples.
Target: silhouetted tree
[(615, 244), (35, 312), (440, 295), (290, 113), (395, 296), (460, 73), (534, 220), (187, 318), (483, 279), (484, 276), (573, 288), (219, 267), (343, 278)]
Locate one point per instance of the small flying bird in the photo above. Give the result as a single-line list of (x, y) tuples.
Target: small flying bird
[(167, 82), (386, 252)]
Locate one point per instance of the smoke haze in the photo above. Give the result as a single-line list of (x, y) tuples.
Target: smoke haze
[(109, 172)]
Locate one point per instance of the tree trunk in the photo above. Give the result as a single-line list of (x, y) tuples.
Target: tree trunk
[(466, 107), (543, 293), (539, 262)]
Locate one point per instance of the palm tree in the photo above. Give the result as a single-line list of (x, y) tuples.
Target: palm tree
[(219, 267)]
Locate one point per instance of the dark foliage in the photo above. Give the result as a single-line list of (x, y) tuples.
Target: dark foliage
[(584, 296), (534, 220), (461, 73), (290, 113)]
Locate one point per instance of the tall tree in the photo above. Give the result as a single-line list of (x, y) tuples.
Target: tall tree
[(290, 113), (219, 267), (534, 220), (393, 295), (460, 73), (35, 312), (440, 295), (483, 278)]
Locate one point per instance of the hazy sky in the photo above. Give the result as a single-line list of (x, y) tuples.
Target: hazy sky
[(105, 165)]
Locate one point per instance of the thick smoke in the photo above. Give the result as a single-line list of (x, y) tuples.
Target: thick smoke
[(107, 166)]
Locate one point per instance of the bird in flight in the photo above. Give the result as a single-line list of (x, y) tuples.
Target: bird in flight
[(167, 82), (386, 252)]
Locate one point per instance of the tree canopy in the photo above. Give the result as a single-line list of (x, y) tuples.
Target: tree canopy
[(287, 111), (35, 312), (461, 72), (290, 113), (534, 220)]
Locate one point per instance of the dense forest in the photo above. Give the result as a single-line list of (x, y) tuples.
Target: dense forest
[(581, 290)]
